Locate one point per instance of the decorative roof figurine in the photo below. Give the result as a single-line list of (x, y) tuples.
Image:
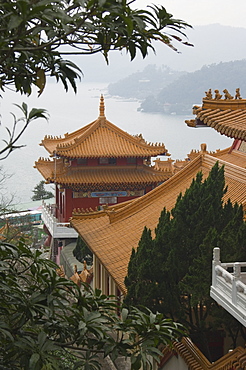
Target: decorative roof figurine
[(209, 94), (227, 94), (238, 95), (217, 95)]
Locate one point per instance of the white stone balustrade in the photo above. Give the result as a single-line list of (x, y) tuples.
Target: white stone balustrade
[(56, 229), (229, 287)]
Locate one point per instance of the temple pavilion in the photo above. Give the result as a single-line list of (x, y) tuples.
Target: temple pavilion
[(96, 166), (226, 115)]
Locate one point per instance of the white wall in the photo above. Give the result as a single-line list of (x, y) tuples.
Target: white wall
[(175, 363)]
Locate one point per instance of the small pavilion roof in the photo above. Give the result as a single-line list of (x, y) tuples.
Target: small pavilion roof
[(101, 138), (227, 116), (103, 178), (112, 233), (195, 359)]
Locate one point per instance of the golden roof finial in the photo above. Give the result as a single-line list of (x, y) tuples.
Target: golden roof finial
[(203, 148), (101, 108)]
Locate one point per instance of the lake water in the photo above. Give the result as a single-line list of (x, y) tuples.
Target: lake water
[(68, 112)]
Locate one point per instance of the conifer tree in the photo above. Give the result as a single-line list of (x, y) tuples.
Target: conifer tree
[(40, 192), (142, 288), (179, 257)]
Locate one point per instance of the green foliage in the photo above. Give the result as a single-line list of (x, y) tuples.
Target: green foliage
[(82, 252), (43, 315), (35, 35), (19, 126), (40, 192), (172, 272)]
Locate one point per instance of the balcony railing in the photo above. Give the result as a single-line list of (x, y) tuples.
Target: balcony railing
[(229, 287), (57, 229)]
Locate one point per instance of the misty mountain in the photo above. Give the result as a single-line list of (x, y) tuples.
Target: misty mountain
[(140, 85), (212, 44), (189, 89)]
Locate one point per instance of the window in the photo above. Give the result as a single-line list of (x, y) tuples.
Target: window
[(81, 161), (104, 160), (131, 160), (112, 160)]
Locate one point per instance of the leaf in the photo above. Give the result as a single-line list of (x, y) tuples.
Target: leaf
[(41, 80), (33, 361), (132, 49), (129, 24), (152, 318), (42, 336), (124, 314), (14, 22), (37, 113)]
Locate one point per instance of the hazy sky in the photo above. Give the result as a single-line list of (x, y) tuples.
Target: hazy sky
[(203, 12)]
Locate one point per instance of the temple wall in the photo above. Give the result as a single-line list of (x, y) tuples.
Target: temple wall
[(66, 203)]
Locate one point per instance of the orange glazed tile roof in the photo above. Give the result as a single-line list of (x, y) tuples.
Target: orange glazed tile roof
[(103, 178), (195, 360), (111, 234), (227, 116), (101, 138)]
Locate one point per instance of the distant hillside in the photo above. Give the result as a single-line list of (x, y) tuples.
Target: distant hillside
[(189, 89), (212, 44), (139, 85)]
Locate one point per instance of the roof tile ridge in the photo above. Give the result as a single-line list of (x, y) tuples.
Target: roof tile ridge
[(77, 140), (201, 112), (206, 111), (78, 132), (228, 118), (153, 170), (229, 360), (194, 357), (231, 169), (135, 139), (216, 115), (220, 152), (238, 153), (43, 159), (81, 213), (191, 354), (50, 138), (145, 199), (67, 136)]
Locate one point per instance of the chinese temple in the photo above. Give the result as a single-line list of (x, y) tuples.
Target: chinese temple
[(99, 164), (119, 228)]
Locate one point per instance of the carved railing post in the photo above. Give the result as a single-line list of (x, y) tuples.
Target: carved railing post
[(236, 277), (215, 262)]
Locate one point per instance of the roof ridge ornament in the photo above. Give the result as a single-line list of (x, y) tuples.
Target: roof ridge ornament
[(102, 108), (218, 96), (102, 117)]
